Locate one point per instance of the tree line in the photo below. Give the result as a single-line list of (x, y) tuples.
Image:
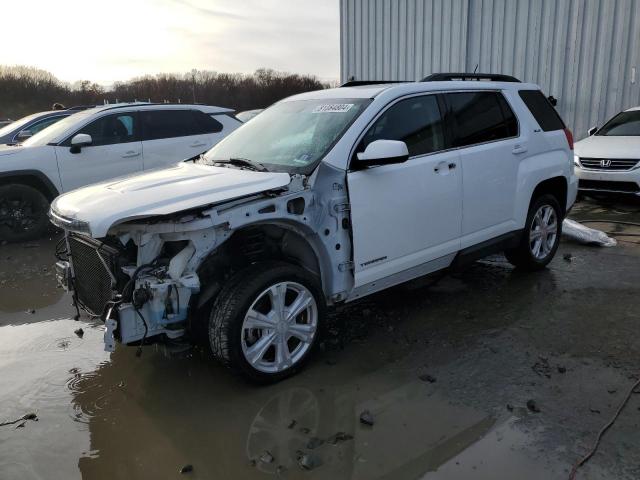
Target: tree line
[(25, 90)]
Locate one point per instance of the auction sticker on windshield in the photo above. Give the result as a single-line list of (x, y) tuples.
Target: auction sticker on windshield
[(333, 108)]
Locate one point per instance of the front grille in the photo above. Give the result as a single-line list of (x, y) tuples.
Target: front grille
[(609, 164), (608, 186), (92, 281)]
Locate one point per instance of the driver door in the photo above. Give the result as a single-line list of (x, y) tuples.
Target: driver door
[(407, 216), (115, 151)]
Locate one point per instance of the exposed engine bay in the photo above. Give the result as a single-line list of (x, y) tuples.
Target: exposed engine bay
[(148, 278)]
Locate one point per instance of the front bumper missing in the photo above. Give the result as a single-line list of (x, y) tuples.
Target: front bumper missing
[(63, 274), (165, 313)]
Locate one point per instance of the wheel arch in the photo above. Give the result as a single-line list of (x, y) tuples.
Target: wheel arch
[(32, 178), (281, 239), (556, 186)]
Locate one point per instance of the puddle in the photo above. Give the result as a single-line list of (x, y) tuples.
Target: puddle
[(476, 333)]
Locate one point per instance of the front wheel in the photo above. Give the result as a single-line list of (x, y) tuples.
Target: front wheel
[(265, 322), (23, 213), (541, 235)]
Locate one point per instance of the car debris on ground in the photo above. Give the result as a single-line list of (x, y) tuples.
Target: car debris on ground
[(366, 418), (28, 416), (590, 236)]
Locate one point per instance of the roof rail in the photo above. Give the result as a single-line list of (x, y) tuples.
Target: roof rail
[(493, 77), (81, 107), (357, 83)]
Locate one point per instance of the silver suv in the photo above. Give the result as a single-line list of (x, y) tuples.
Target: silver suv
[(324, 198)]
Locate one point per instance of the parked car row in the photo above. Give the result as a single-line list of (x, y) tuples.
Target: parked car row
[(97, 144), (321, 199)]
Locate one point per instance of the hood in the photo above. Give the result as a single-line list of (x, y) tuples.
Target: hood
[(161, 192), (9, 150), (600, 146)]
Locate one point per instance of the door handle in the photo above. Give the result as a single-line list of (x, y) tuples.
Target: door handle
[(440, 166), (130, 154), (519, 149), (195, 145)]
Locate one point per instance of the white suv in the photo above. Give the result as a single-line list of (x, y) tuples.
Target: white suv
[(323, 198), (94, 145)]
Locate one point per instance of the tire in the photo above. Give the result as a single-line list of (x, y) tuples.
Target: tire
[(23, 213), (532, 254), (257, 289)]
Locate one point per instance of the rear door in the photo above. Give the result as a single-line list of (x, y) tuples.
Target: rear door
[(485, 131), (409, 214), (115, 151), (172, 135)]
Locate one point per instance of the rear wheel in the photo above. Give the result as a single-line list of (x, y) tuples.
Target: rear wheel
[(265, 323), (23, 213), (541, 235)]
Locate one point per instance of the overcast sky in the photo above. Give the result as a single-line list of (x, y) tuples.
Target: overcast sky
[(104, 41)]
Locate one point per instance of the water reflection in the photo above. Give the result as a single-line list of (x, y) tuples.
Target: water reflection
[(147, 417), (27, 278)]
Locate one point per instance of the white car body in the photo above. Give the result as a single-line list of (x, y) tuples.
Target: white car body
[(609, 164), (58, 170), (359, 228)]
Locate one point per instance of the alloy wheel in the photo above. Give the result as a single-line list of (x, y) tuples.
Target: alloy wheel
[(279, 327), (543, 232)]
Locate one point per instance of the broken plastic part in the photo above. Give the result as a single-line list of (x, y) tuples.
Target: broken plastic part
[(179, 262), (109, 338), (591, 236)]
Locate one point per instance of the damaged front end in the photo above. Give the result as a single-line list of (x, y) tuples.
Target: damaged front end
[(137, 283), (150, 276)]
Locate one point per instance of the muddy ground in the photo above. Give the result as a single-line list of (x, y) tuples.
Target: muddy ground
[(445, 369)]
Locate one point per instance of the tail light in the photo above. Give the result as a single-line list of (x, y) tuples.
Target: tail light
[(569, 135)]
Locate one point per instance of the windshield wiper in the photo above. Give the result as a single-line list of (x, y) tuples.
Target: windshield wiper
[(244, 162)]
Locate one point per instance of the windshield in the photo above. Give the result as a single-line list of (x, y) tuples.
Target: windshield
[(625, 124), (290, 136), (51, 133), (18, 124)]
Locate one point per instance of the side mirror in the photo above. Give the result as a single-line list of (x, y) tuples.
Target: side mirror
[(24, 134), (79, 141), (592, 130), (384, 152)]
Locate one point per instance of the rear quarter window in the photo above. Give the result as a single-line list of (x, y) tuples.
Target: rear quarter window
[(480, 117), (542, 110)]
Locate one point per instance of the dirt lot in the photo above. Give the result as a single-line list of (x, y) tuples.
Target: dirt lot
[(446, 371)]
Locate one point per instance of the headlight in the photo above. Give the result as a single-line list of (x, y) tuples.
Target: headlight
[(67, 223), (576, 160)]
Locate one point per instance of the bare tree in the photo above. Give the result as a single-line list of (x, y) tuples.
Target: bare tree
[(24, 90)]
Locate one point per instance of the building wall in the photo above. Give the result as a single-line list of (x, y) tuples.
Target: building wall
[(586, 53)]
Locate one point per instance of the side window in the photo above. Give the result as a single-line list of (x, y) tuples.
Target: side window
[(36, 127), (480, 117), (158, 124), (111, 129), (206, 123), (416, 121), (542, 110)]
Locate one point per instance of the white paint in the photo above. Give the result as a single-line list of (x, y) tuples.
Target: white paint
[(161, 192), (404, 214)]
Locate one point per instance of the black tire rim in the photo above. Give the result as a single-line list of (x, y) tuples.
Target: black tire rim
[(18, 214)]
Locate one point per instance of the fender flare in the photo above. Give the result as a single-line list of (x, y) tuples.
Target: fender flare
[(50, 190)]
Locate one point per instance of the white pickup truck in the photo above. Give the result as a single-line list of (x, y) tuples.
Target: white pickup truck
[(323, 198)]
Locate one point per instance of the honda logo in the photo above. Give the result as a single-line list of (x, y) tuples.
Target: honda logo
[(605, 163)]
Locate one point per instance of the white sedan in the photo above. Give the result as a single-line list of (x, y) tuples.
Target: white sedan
[(609, 159)]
